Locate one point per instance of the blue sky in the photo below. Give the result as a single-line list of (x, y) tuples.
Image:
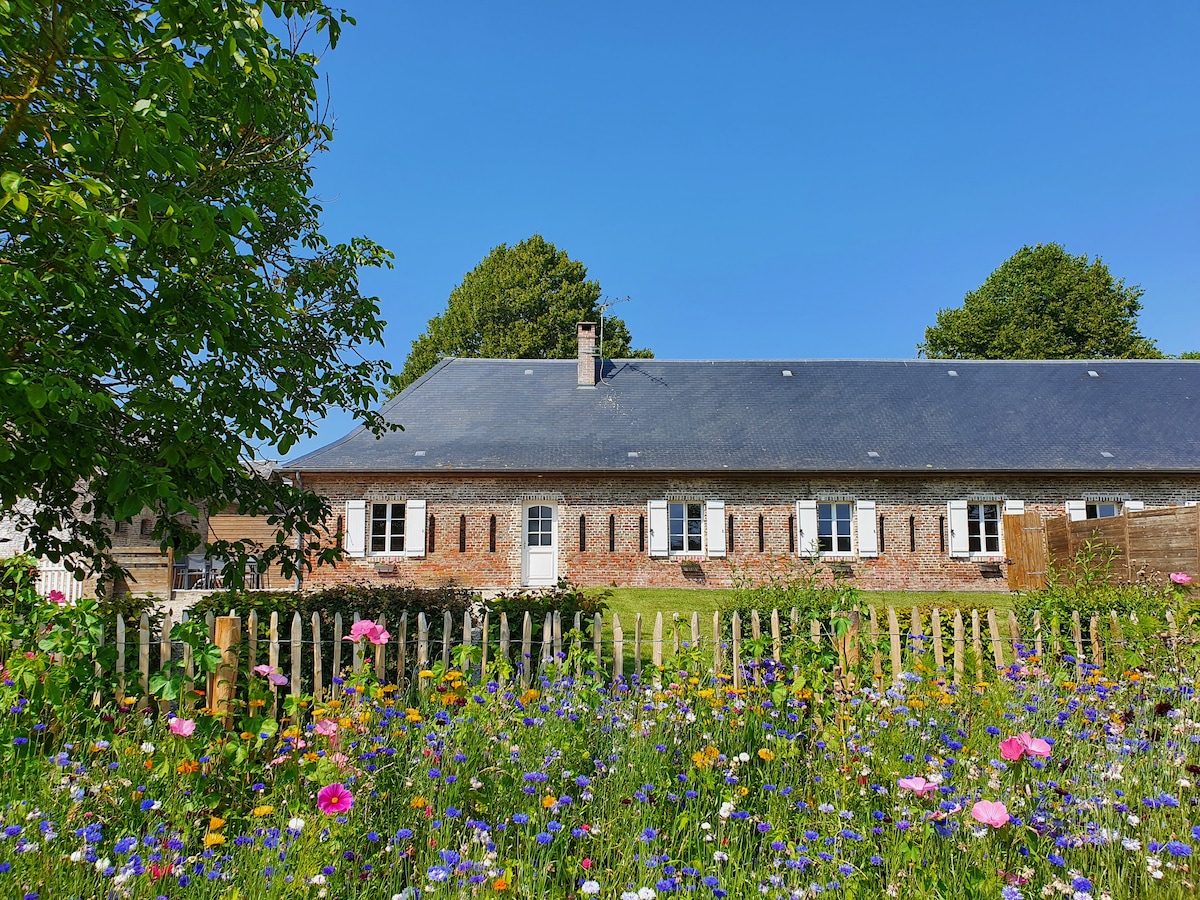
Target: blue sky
[(769, 180)]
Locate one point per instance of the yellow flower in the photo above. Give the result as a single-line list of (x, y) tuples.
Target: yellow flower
[(311, 756), (425, 673), (766, 755), (260, 811), (246, 736), (292, 732), (412, 715), (500, 885), (530, 695), (548, 801), (743, 791), (346, 722), (452, 676), (418, 803), (212, 839), (707, 693), (334, 704), (256, 703), (215, 822)]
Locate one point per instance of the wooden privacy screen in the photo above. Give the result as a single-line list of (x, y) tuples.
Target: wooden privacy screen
[(1149, 542)]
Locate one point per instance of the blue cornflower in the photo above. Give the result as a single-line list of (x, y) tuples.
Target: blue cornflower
[(543, 838)]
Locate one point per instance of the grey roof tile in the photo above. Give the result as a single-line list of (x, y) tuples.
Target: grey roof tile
[(487, 415)]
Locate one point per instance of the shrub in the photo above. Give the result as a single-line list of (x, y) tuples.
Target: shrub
[(564, 598)]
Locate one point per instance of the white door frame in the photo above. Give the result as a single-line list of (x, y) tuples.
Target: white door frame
[(539, 565)]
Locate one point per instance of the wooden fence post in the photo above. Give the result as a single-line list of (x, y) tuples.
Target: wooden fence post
[(422, 653), (297, 649), (222, 684), (776, 637), (939, 649), (447, 638), (337, 653), (144, 660), (637, 644), (618, 648), (272, 660), (737, 652), (656, 655), (164, 655), (960, 646), (504, 640), (120, 660), (402, 646), (894, 640), (997, 644), (526, 649), (977, 645), (1037, 634), (1077, 640), (318, 674), (381, 653), (717, 649), (876, 653)]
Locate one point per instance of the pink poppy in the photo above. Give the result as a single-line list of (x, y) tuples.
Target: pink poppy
[(326, 727), (918, 785), (365, 628), (272, 675), (990, 812), (59, 598), (334, 799), (1181, 578), (1012, 749), (1034, 746), (181, 727)]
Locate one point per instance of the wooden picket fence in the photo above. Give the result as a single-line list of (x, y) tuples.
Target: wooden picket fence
[(312, 660)]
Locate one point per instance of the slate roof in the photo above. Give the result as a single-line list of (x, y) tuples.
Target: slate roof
[(495, 415)]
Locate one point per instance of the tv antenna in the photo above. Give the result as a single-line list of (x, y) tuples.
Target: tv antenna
[(603, 306)]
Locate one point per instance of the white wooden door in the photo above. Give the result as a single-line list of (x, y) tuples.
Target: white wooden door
[(539, 551)]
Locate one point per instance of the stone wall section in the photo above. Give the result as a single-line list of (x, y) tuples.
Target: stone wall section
[(918, 560)]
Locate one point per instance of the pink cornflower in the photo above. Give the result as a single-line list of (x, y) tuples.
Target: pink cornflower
[(334, 799), (917, 785), (990, 812), (272, 675), (181, 727), (372, 631), (1181, 578)]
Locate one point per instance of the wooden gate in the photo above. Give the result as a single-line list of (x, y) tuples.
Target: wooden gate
[(1025, 544)]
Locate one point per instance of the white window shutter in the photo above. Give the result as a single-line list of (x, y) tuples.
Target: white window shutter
[(1135, 505), (960, 545), (868, 531), (1076, 510), (414, 528), (1014, 507), (715, 527), (806, 527), (658, 527), (354, 537)]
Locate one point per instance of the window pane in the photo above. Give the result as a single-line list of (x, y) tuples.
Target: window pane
[(973, 543)]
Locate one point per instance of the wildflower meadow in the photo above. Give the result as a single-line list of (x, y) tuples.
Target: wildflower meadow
[(1050, 777)]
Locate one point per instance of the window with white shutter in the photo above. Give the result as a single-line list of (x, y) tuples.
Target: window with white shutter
[(354, 541), (1076, 510), (414, 544), (715, 526), (868, 534), (806, 527), (956, 516), (657, 517), (1135, 505)]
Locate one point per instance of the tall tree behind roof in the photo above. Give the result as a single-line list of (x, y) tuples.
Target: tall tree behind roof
[(520, 302), (1043, 303)]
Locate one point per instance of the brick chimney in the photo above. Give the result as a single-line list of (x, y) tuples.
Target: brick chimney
[(588, 363)]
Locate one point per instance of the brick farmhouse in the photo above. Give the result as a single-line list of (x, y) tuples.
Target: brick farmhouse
[(666, 473)]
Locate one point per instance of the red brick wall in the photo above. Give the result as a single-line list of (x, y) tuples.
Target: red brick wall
[(897, 567)]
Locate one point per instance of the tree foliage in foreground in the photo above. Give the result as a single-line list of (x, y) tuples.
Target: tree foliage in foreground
[(520, 302), (1043, 303), (169, 309)]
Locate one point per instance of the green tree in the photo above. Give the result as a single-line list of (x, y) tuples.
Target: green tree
[(169, 310), (520, 302), (1043, 303)]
